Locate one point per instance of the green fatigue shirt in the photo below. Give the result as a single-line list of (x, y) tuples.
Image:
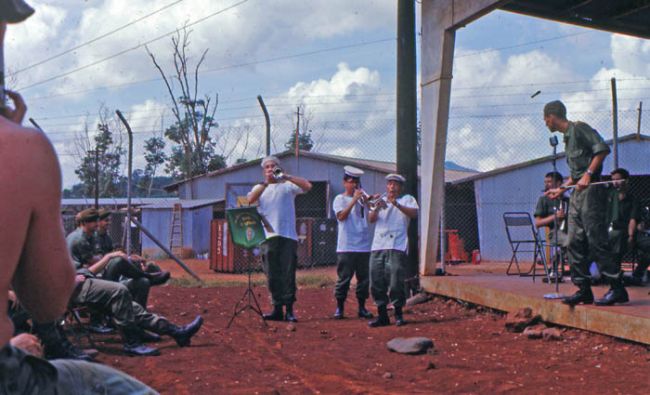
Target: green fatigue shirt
[(81, 248), (582, 143), (620, 212), (103, 243), (547, 206)]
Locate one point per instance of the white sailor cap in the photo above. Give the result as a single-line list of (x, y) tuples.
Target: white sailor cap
[(351, 171), (395, 177), (270, 158)]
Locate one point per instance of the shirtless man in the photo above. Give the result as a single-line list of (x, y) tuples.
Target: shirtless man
[(35, 260)]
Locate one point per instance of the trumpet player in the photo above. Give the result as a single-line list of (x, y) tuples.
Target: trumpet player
[(388, 251), (353, 242), (551, 212), (276, 197)]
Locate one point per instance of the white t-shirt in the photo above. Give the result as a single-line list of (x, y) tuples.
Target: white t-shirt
[(391, 227), (277, 205), (353, 233)]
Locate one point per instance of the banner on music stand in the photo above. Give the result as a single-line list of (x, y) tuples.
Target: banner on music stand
[(246, 227)]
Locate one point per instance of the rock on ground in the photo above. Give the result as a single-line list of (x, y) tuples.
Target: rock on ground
[(410, 345)]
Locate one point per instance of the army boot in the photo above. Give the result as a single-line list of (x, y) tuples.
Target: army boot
[(382, 318), (275, 315), (340, 306), (289, 316), (133, 345), (363, 313), (583, 295), (399, 317), (182, 334), (56, 344), (616, 294)]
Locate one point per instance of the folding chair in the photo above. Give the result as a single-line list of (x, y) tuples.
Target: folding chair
[(523, 238)]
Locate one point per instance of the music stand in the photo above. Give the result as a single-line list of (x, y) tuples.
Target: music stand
[(246, 231)]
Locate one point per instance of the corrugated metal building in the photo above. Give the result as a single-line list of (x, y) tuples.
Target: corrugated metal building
[(517, 188), (207, 196)]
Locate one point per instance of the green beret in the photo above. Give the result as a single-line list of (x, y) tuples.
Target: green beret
[(88, 215), (104, 213)]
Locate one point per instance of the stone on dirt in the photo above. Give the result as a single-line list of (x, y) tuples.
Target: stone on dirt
[(410, 345), (552, 334), (419, 298), (521, 319)]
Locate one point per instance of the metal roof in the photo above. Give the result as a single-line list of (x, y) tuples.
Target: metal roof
[(630, 137), (136, 201), (619, 16), (366, 164), (186, 204)]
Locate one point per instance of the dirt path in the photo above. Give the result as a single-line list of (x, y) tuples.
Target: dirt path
[(474, 353)]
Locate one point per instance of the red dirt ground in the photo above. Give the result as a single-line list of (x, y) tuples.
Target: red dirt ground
[(473, 352)]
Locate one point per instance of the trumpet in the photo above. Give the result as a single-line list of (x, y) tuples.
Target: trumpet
[(377, 202), (278, 173)]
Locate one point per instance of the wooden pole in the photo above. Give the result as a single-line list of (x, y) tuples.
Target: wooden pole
[(638, 122), (128, 183)]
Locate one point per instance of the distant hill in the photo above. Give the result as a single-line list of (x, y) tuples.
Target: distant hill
[(453, 166)]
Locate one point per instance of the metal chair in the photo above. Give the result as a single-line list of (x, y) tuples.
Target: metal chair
[(523, 238)]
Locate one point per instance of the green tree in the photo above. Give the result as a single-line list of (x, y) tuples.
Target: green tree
[(305, 141), (100, 163), (155, 156)]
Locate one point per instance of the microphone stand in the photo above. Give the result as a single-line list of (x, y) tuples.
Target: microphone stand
[(557, 254)]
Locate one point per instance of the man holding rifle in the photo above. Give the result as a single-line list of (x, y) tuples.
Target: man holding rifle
[(585, 152)]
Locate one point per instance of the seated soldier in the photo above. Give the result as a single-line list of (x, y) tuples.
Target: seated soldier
[(130, 271), (550, 212), (114, 298), (622, 215), (642, 247)]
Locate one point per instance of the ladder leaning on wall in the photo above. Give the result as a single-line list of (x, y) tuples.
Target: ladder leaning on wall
[(176, 230)]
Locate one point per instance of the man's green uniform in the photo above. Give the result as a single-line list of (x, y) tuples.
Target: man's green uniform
[(547, 206), (587, 239), (619, 214), (107, 295)]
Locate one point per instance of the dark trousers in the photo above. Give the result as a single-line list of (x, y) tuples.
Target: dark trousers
[(387, 276), (120, 267), (588, 239), (279, 261), (349, 264), (643, 253)]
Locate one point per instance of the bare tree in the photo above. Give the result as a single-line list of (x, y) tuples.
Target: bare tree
[(194, 116)]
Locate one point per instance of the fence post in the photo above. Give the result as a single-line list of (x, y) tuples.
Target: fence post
[(614, 123)]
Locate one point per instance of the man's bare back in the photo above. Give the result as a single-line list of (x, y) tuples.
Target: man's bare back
[(34, 259)]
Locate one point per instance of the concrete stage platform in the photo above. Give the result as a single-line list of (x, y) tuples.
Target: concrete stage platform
[(488, 285)]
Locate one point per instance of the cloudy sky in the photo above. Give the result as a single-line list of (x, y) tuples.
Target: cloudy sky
[(334, 57)]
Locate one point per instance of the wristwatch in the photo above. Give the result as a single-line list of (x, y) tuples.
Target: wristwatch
[(591, 173)]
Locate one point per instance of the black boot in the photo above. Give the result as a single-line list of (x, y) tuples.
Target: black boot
[(56, 344), (149, 337), (399, 317), (133, 344), (97, 324), (275, 315), (289, 316), (340, 306), (159, 278), (363, 313), (616, 294), (583, 295), (382, 318), (182, 334)]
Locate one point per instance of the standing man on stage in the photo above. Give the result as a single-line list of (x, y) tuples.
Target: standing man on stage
[(551, 211), (353, 243), (585, 152), (276, 197), (389, 247)]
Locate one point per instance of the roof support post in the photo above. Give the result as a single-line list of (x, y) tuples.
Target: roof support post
[(440, 19)]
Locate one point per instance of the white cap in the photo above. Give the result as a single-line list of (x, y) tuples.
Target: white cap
[(270, 158), (351, 171), (395, 177)]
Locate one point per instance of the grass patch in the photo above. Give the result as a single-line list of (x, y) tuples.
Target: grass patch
[(316, 280)]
